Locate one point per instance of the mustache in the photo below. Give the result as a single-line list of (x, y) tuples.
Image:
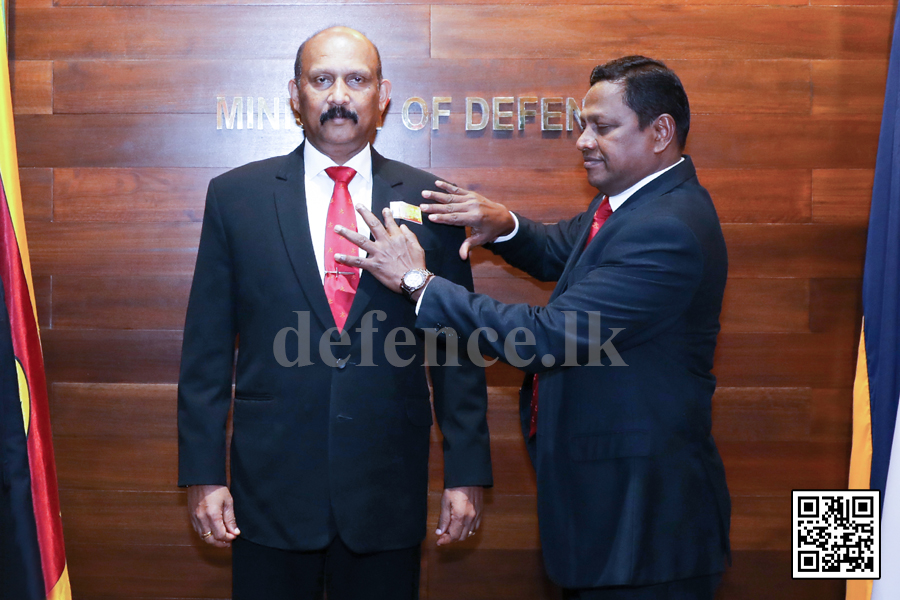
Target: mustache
[(338, 112)]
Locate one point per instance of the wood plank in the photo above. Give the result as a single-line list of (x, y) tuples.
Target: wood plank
[(125, 518), (674, 32), (776, 468), (842, 195), (37, 193), (117, 464), (848, 87), (174, 141), (131, 195), (43, 298), (761, 414), (515, 290), (766, 305), (785, 360), (503, 413), (167, 263), (241, 32), (32, 86), (109, 571), (832, 415), (102, 410), (824, 251), (760, 522), (759, 195), (789, 142), (113, 237), (120, 302), (836, 307), (112, 356), (191, 86)]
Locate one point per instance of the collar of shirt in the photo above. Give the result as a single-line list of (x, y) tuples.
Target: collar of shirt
[(319, 188), (619, 199)]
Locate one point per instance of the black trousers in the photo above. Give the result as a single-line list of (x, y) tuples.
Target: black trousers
[(695, 588), (264, 573)]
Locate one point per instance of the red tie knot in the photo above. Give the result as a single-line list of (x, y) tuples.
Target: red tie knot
[(341, 174)]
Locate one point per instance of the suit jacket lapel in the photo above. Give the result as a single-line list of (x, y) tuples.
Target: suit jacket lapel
[(293, 220), (577, 249), (384, 182)]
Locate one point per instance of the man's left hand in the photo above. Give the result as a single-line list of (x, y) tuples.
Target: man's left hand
[(460, 514), (394, 251)]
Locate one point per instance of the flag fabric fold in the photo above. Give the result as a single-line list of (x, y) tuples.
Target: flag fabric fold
[(877, 386), (33, 546)]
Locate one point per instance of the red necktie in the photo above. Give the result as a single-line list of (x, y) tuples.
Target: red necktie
[(600, 215), (341, 281)]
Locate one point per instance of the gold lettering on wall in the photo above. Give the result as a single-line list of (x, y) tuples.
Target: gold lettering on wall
[(555, 113)]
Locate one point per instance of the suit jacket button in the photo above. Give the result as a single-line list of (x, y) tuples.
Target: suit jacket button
[(341, 363)]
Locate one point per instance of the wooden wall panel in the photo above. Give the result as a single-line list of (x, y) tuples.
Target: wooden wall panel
[(37, 193), (196, 32), (757, 32), (842, 195), (32, 87), (115, 105), (847, 87)]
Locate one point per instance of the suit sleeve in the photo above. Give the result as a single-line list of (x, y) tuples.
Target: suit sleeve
[(207, 357), (460, 392), (645, 280), (542, 250)]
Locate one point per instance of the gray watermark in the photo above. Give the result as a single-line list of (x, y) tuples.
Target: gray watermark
[(442, 346)]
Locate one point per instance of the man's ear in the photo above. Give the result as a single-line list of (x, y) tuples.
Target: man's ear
[(663, 132), (295, 100), (384, 94)]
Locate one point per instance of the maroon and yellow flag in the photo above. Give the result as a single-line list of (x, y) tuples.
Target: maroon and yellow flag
[(15, 272)]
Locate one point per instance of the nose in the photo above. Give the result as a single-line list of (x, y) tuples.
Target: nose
[(339, 93), (585, 141)]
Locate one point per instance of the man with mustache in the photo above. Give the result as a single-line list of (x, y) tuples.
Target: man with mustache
[(616, 406), (331, 420)]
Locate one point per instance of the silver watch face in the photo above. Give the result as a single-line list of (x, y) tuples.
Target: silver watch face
[(414, 279)]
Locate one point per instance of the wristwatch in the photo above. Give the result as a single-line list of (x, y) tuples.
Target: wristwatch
[(413, 280)]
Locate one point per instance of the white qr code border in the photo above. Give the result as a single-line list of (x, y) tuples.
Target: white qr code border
[(839, 531)]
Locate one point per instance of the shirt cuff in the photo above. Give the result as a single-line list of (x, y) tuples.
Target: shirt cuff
[(422, 295), (509, 236)]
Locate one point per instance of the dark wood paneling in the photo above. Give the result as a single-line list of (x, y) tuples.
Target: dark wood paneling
[(832, 415), (674, 32), (242, 32), (174, 141), (116, 463), (766, 305), (784, 360), (100, 356), (32, 87), (812, 466), (109, 264), (509, 522), (842, 195), (37, 193), (761, 414), (42, 297), (142, 571), (191, 86), (795, 250), (836, 307), (113, 237), (130, 195), (848, 87), (120, 303), (103, 410)]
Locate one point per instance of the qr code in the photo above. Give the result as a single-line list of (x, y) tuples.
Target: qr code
[(836, 534)]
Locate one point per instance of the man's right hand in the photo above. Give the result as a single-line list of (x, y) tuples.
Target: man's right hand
[(212, 514), (488, 220)]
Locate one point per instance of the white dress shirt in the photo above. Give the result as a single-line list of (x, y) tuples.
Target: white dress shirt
[(319, 187)]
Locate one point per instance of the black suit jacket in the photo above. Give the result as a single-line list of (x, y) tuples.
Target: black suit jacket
[(324, 446), (631, 488)]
